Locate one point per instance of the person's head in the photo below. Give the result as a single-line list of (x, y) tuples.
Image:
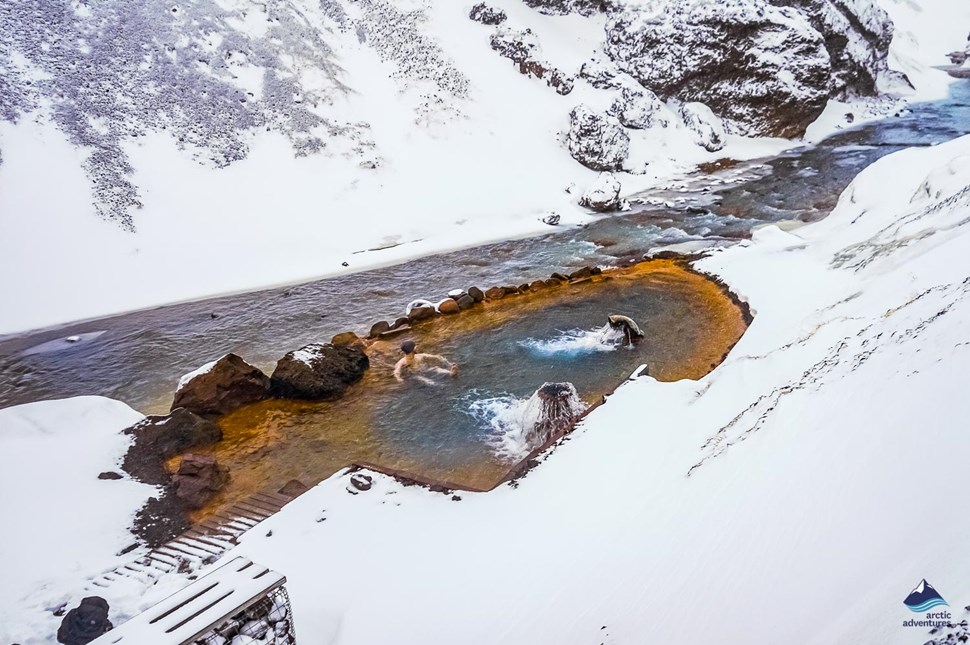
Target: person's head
[(408, 347)]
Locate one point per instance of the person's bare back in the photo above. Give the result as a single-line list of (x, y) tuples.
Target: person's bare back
[(416, 365)]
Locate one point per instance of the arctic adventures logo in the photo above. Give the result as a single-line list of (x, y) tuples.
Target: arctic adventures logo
[(923, 598)]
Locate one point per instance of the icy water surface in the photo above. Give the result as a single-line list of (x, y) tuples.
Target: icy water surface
[(463, 430)]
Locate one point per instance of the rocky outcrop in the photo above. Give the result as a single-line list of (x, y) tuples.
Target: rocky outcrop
[(85, 622), (199, 479), (764, 68), (604, 195), (562, 7), (705, 126), (159, 438), (639, 109), (522, 48), (221, 387), (600, 72), (857, 37), (487, 15), (318, 372), (597, 141)]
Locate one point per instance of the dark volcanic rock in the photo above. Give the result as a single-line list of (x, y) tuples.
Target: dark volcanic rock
[(361, 482), (109, 474), (199, 479), (85, 622), (763, 67), (228, 384), (562, 7), (421, 313), (159, 438), (597, 141), (487, 15), (495, 293), (465, 302), (318, 371), (477, 294)]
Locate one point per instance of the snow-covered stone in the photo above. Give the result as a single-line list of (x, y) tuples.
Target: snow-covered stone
[(487, 15), (600, 71), (706, 127), (596, 140), (603, 195), (515, 44), (765, 68), (639, 109), (562, 7)]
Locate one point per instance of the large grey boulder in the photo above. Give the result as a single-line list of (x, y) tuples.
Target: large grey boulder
[(318, 372), (596, 140), (764, 68)]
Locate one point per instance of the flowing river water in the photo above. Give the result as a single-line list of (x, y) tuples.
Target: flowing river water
[(454, 430)]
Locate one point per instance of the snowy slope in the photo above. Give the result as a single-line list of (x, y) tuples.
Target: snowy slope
[(795, 495), (181, 150)]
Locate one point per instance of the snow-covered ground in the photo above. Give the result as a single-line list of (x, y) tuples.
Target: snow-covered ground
[(794, 495), (433, 148)]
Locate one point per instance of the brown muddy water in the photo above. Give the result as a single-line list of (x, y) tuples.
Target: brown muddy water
[(463, 430)]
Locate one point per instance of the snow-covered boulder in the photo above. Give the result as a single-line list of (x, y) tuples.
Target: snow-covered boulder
[(487, 15), (765, 68), (603, 195), (318, 371), (562, 7), (220, 387), (514, 44), (597, 141), (639, 108), (600, 71), (857, 36), (706, 127)]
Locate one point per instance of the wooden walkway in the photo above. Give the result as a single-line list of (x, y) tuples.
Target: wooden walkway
[(203, 544)]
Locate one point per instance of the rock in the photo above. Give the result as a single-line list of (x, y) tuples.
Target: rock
[(552, 219), (597, 141), (487, 15), (379, 328), (958, 57), (448, 306), (421, 313), (495, 293), (555, 78), (361, 482), (401, 322), (516, 45), (199, 479), (600, 72), (318, 372), (415, 304), (524, 287), (477, 294), (764, 68), (581, 274), (511, 291), (345, 338), (294, 488), (456, 293), (85, 622), (159, 438), (559, 277), (538, 285), (604, 195), (109, 475), (562, 7), (466, 302), (221, 387), (639, 109), (552, 283), (706, 128)]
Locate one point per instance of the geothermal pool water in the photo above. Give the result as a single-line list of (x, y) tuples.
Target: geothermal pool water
[(464, 429)]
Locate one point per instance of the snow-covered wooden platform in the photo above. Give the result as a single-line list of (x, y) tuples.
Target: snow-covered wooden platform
[(197, 609)]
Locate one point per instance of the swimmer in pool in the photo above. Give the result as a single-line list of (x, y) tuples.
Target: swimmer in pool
[(631, 331), (413, 364)]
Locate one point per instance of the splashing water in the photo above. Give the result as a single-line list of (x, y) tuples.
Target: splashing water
[(577, 342), (516, 426)]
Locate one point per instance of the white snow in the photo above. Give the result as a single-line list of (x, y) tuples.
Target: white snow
[(61, 524), (205, 369), (722, 510)]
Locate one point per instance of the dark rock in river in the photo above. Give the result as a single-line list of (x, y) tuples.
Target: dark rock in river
[(487, 15), (495, 293), (379, 328), (85, 622), (581, 274), (199, 479), (765, 68), (466, 302), (159, 438), (597, 141), (421, 313), (477, 294), (318, 371), (401, 322), (228, 384)]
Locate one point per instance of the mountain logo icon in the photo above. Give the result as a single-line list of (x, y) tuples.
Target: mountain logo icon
[(923, 598)]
